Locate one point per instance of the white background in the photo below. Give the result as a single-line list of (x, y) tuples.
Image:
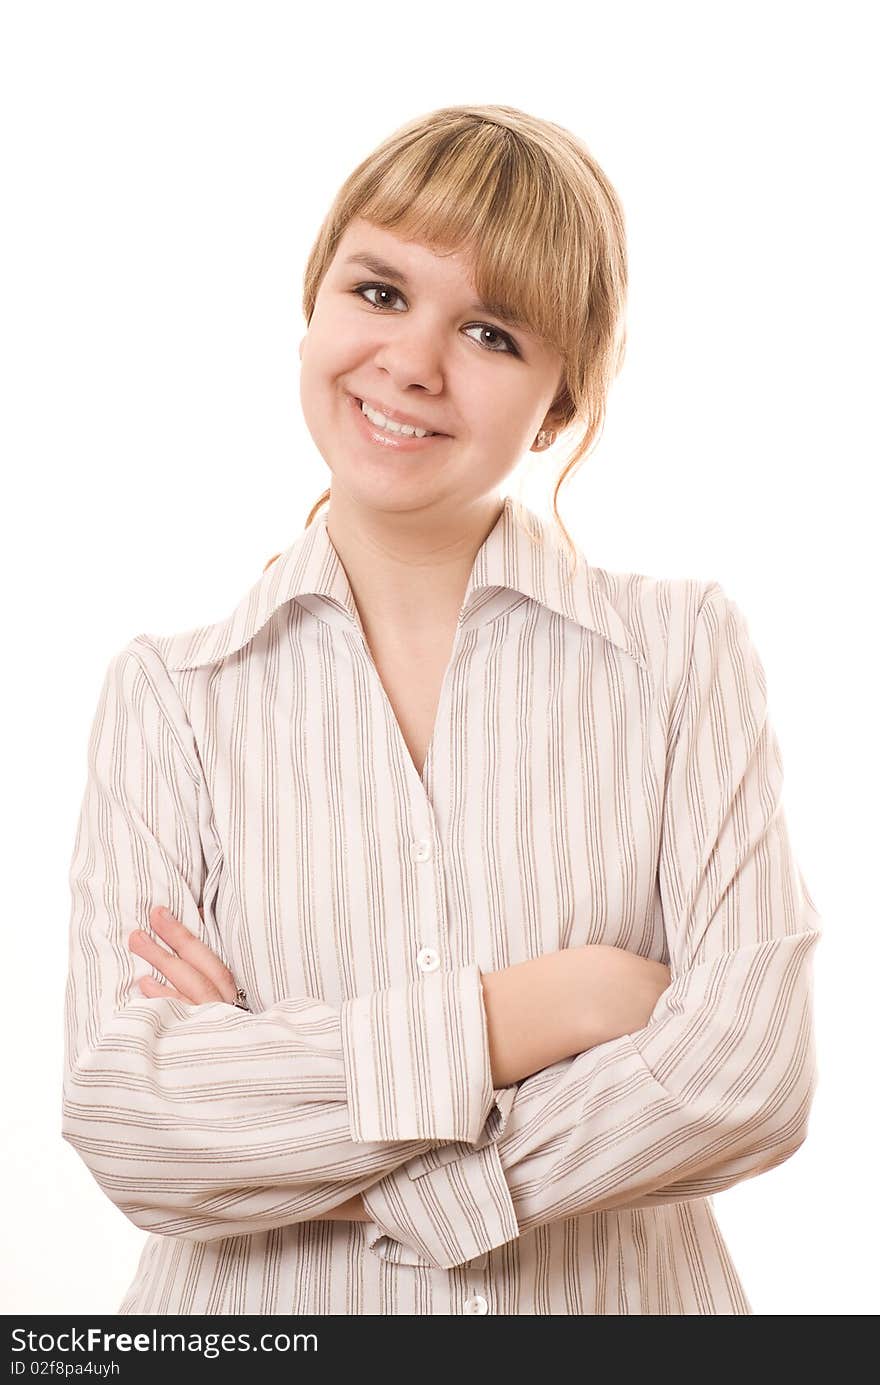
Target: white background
[(165, 169)]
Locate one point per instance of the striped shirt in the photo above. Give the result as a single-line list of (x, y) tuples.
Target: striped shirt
[(602, 770)]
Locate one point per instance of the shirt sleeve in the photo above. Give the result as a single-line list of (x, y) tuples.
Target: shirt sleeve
[(203, 1121), (717, 1088)]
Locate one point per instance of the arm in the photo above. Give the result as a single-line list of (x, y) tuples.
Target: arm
[(549, 1008), (718, 1086), (204, 1121)]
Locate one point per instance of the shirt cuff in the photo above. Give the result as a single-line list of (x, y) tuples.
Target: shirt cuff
[(448, 1206), (416, 1059)]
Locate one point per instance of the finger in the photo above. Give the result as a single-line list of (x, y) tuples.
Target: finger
[(153, 988), (188, 980), (197, 953)]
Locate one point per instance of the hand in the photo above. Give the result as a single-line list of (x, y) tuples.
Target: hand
[(620, 990), (560, 1004), (198, 974)]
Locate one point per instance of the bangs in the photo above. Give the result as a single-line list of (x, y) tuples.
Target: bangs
[(484, 192)]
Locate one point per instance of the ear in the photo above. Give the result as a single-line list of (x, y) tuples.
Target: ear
[(553, 420), (555, 410)]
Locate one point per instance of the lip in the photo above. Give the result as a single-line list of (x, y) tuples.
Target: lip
[(397, 416), (391, 442)]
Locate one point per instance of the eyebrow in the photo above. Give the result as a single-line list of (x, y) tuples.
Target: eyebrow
[(376, 265)]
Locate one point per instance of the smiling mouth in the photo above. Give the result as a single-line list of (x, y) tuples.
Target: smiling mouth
[(391, 426)]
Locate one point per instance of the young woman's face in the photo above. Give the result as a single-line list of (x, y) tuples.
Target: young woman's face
[(409, 336)]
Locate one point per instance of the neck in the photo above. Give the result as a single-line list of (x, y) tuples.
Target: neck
[(409, 570)]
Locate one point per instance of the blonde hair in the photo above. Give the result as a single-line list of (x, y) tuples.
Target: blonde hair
[(541, 220)]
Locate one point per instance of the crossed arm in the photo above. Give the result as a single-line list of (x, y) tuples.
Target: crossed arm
[(201, 1121), (537, 1012)]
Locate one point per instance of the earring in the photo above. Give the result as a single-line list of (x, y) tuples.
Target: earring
[(545, 438)]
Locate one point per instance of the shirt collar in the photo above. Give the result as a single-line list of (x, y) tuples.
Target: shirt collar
[(509, 566)]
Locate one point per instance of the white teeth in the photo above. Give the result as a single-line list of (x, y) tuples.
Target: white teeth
[(381, 421)]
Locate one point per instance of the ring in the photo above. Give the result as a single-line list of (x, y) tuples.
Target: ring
[(241, 1000)]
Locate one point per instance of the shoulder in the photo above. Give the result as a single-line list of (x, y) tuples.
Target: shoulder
[(659, 611), (200, 645)]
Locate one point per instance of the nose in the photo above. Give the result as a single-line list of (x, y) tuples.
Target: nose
[(412, 357)]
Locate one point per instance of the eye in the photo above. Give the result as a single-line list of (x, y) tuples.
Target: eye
[(508, 345), (363, 289), (507, 341)]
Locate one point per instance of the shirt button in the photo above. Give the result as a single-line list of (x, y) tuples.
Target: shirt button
[(421, 850), (428, 959), (477, 1304)]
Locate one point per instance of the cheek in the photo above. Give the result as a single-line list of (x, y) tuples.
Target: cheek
[(497, 410), (316, 393), (327, 362), (335, 340)]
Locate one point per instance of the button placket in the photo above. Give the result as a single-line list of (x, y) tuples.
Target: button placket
[(421, 850)]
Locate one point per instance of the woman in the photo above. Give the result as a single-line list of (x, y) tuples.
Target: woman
[(489, 961)]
